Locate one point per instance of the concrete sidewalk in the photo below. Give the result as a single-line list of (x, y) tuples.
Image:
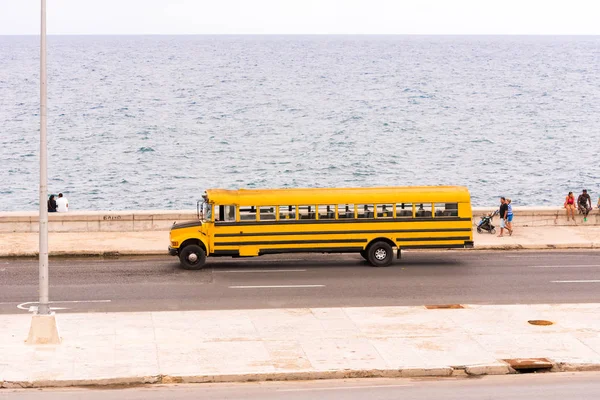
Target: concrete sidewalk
[(281, 344), (156, 242)]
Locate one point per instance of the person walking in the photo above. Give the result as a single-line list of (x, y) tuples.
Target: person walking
[(570, 205), (51, 204), (503, 215), (509, 217), (62, 204)]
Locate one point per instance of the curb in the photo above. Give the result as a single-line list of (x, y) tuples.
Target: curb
[(558, 246), (109, 253), (125, 253), (570, 367), (255, 377), (497, 368)]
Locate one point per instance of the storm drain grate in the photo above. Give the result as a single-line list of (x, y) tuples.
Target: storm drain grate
[(529, 365), (444, 306)]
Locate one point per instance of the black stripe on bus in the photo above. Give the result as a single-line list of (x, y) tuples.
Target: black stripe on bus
[(312, 250), (231, 253), (434, 246), (431, 239), (290, 242), (338, 221), (339, 232)]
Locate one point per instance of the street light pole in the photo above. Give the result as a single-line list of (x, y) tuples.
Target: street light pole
[(43, 308), (43, 328)]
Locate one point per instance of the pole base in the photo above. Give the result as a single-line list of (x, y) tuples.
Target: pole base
[(43, 330)]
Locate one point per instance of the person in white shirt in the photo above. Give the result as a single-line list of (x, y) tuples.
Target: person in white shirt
[(62, 204)]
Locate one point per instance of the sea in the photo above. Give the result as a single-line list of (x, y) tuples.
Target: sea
[(150, 122)]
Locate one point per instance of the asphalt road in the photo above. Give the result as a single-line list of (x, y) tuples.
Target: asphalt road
[(549, 386), (420, 278)]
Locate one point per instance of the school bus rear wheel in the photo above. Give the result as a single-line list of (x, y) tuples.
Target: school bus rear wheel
[(380, 254), (192, 257)]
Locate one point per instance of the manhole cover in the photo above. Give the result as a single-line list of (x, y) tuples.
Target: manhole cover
[(540, 322), (444, 306)]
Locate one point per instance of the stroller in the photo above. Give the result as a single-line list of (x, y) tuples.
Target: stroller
[(486, 223)]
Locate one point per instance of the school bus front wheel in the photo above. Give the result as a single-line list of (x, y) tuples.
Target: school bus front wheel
[(192, 257)]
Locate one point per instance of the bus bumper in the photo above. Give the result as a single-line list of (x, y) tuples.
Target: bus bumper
[(173, 252), (468, 244)]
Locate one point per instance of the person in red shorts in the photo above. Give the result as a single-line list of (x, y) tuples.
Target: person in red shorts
[(570, 205)]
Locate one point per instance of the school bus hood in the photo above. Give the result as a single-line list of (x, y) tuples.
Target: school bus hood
[(189, 224)]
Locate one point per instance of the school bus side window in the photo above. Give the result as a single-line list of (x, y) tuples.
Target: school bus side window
[(267, 213), (446, 210), (365, 210), (424, 210), (404, 210), (248, 213), (287, 212), (226, 213), (307, 212), (345, 211), (326, 211), (385, 210)]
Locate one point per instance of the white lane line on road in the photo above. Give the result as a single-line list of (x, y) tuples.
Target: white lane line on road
[(566, 266), (580, 281), (540, 256), (341, 388), (248, 271), (275, 286)]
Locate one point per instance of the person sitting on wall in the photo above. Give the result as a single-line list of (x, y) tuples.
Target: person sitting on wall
[(584, 204), (51, 204), (62, 204)]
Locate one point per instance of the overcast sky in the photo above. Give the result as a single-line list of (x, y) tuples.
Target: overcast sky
[(572, 17)]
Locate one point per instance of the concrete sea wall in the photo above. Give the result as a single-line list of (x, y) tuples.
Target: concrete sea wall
[(161, 220)]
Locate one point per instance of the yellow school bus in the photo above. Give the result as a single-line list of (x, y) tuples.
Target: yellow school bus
[(370, 221)]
